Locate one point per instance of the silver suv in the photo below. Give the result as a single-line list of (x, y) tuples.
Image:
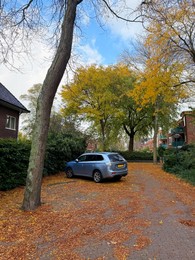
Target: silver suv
[(98, 166)]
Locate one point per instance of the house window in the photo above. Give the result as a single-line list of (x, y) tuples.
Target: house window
[(10, 123)]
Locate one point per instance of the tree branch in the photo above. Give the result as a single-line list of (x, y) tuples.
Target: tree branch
[(120, 17), (23, 9)]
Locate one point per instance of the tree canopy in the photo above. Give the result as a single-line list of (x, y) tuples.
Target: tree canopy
[(101, 95), (173, 21), (92, 95)]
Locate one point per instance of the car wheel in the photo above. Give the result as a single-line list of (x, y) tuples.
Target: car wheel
[(69, 173), (97, 176)]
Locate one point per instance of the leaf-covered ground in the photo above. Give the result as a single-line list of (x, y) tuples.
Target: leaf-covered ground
[(147, 215)]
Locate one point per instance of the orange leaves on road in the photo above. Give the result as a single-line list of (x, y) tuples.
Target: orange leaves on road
[(78, 217), (189, 223), (142, 242)]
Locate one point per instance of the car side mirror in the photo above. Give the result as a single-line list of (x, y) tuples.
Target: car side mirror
[(76, 160)]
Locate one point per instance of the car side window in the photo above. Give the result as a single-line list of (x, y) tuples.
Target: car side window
[(82, 158), (99, 157), (91, 157)]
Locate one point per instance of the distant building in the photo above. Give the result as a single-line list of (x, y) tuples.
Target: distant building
[(188, 118), (91, 145), (183, 134), (10, 110), (144, 144)]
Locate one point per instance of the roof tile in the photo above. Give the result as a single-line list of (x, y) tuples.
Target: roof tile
[(8, 97)]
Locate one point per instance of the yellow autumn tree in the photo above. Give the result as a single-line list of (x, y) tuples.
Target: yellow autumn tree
[(92, 94), (159, 81), (174, 21)]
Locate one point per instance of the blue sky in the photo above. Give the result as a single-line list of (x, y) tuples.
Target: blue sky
[(97, 45), (109, 41), (101, 40)]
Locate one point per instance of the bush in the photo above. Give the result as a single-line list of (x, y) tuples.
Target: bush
[(170, 159), (14, 158), (62, 148), (188, 175), (161, 151), (137, 155), (181, 162)]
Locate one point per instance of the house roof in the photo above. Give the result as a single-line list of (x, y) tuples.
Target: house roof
[(189, 112), (7, 99)]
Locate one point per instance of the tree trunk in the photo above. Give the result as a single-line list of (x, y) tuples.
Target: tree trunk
[(32, 195), (102, 124), (131, 135), (131, 143), (155, 139)]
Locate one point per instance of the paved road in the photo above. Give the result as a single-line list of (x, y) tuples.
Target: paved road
[(148, 215), (167, 207), (171, 212)]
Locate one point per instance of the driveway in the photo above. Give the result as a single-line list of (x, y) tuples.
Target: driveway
[(149, 214)]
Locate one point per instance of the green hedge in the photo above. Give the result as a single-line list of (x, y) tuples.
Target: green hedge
[(14, 157), (60, 149), (137, 155), (181, 162)]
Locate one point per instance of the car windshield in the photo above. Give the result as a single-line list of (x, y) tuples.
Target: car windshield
[(115, 157)]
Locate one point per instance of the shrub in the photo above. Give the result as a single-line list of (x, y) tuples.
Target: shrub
[(137, 155), (181, 162), (62, 148), (14, 158), (161, 151), (188, 175), (170, 159)]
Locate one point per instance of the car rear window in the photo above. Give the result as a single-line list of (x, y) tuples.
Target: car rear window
[(115, 157)]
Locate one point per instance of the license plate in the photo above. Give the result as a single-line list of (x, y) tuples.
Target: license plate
[(120, 165)]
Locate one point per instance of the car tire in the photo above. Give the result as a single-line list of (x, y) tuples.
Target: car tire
[(97, 176), (69, 173)]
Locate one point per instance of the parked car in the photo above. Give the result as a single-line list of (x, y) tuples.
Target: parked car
[(98, 166)]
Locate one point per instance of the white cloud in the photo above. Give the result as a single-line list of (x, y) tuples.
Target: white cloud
[(125, 30), (133, 4), (90, 55), (34, 70), (84, 18)]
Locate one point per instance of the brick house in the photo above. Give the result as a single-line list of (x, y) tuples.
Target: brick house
[(188, 118), (184, 133), (10, 110)]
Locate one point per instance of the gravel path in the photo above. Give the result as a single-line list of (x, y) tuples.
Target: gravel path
[(172, 229)]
